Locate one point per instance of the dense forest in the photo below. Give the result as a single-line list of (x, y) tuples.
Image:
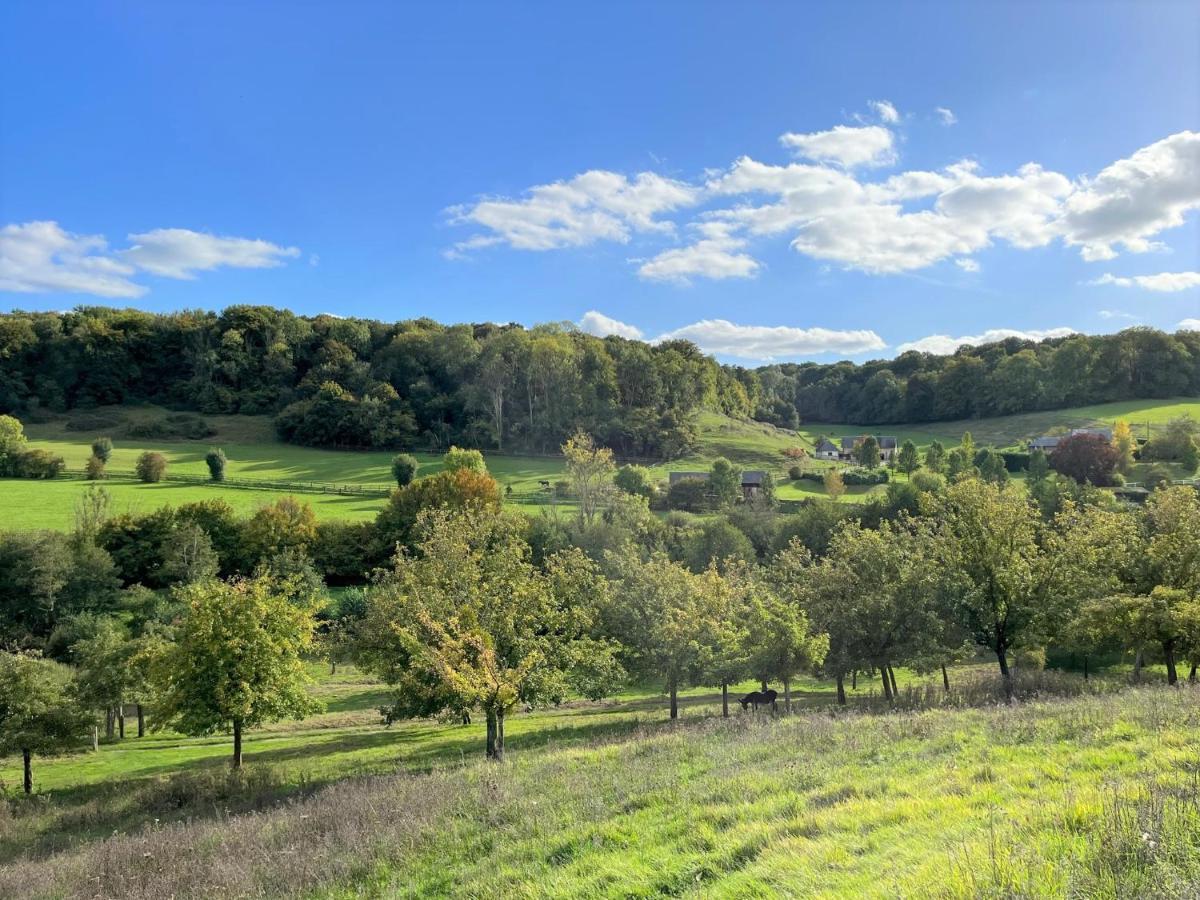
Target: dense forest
[(348, 382)]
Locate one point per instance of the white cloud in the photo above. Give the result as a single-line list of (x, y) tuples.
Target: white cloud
[(37, 257), (886, 111), (1116, 314), (943, 344), (591, 207), (1134, 199), (1164, 282), (844, 146), (1188, 325), (181, 253), (714, 256), (946, 116), (967, 264), (602, 326), (764, 342)]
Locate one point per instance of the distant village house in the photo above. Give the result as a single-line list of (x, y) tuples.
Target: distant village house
[(1047, 443), (752, 480)]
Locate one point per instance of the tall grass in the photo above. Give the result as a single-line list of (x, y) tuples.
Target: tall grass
[(1090, 795)]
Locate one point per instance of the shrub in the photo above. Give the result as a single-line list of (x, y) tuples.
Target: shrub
[(151, 467), (102, 448), (795, 473), (865, 476), (39, 464), (634, 480), (1086, 457), (177, 426), (94, 469), (689, 494), (1016, 460), (795, 452), (91, 422), (215, 460), (404, 468)]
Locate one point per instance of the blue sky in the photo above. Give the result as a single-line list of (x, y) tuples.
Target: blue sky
[(774, 181)]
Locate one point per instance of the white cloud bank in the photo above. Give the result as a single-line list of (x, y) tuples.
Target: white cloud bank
[(762, 343), (1164, 282), (907, 221), (943, 344), (41, 257), (1188, 325)]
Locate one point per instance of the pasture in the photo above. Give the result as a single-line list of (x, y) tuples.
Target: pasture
[(1043, 798)]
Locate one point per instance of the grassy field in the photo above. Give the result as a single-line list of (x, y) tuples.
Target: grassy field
[(1044, 798), (255, 453)]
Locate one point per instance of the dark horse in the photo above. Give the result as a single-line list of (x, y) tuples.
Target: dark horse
[(759, 698)]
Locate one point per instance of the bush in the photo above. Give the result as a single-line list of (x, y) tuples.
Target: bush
[(102, 449), (634, 480), (1016, 460), (39, 464), (865, 476), (215, 460), (94, 468), (151, 467), (1086, 458), (177, 426), (795, 473), (688, 494), (91, 422), (404, 468)]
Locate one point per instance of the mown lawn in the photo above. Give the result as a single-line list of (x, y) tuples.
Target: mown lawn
[(1096, 795)]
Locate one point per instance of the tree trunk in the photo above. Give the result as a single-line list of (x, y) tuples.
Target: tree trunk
[(141, 720), (95, 739), (1138, 662), (27, 759), (108, 722), (1002, 658), (892, 676), (724, 701), (1169, 655), (332, 668), (763, 687), (1192, 674), (499, 757), (854, 680), (121, 721), (1085, 668), (945, 679), (787, 695), (674, 690), (887, 688), (237, 743), (841, 688)]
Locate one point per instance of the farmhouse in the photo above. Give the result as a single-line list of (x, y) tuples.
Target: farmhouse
[(887, 447), (827, 449), (752, 480), (1047, 443)]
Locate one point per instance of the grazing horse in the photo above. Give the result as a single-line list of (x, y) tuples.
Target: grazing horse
[(759, 698)]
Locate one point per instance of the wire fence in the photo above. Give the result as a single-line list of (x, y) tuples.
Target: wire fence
[(262, 484)]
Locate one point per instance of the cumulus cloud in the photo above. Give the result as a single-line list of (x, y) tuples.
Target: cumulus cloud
[(967, 264), (39, 257), (1163, 282), (832, 212), (1116, 314), (1135, 198), (594, 206), (946, 116), (765, 342), (843, 145), (714, 256), (602, 326), (886, 111), (181, 253), (1188, 325), (943, 344)]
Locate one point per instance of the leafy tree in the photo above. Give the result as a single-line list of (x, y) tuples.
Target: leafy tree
[(286, 524), (469, 623), (215, 460), (779, 640), (12, 445), (188, 556), (835, 486), (453, 489), (1086, 458), (237, 660), (1124, 444), (960, 463), (102, 448), (93, 469), (151, 467), (935, 456), (724, 483), (724, 658), (457, 458), (634, 480), (590, 470), (1177, 442), (106, 675), (716, 543), (37, 712), (688, 494), (991, 466), (404, 468), (1039, 467), (907, 460), (866, 451)]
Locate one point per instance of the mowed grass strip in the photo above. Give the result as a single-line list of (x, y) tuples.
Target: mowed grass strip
[(1040, 799)]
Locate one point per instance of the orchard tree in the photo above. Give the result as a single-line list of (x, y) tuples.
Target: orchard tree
[(907, 460), (590, 469), (404, 468), (37, 711), (456, 489), (105, 674), (779, 640), (835, 486), (237, 660), (467, 622), (724, 657), (866, 452), (151, 467)]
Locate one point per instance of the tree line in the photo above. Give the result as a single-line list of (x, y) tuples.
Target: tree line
[(206, 620), (348, 382)]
